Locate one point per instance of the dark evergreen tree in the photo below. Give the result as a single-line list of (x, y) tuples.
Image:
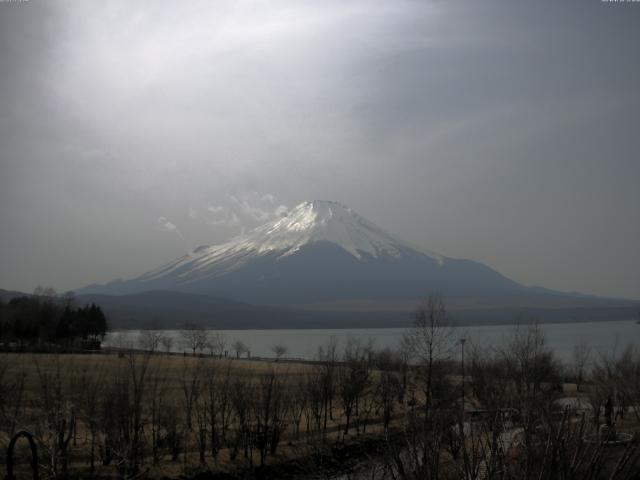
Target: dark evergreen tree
[(43, 319)]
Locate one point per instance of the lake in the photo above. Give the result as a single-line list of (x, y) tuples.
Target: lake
[(603, 337)]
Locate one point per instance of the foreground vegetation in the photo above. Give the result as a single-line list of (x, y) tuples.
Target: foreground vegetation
[(423, 411)]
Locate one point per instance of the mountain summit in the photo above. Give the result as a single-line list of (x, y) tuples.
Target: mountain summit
[(309, 223), (321, 251), (322, 220)]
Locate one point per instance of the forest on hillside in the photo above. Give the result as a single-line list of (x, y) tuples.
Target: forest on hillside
[(46, 320)]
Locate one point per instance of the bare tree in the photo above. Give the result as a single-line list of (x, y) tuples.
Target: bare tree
[(615, 377), (12, 396), (316, 404), (149, 340), (91, 391), (169, 422), (214, 396), (167, 342), (155, 406), (201, 409), (353, 379), (269, 413), (121, 341), (240, 435), (328, 358), (430, 341), (216, 344), (387, 389), (581, 357), (239, 347), (531, 368), (54, 404), (122, 413), (628, 381), (190, 385), (298, 401), (279, 351), (194, 338), (428, 344)]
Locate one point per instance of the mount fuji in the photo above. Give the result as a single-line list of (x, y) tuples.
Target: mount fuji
[(324, 261)]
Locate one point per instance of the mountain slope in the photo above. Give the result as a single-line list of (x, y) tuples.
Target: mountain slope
[(165, 309), (321, 251), (6, 295)]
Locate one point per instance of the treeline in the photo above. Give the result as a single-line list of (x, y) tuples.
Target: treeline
[(45, 318)]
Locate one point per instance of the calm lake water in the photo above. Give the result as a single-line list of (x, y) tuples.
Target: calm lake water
[(602, 337)]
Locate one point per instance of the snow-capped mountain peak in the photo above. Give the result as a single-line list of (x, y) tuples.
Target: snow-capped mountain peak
[(320, 251), (322, 220), (324, 257), (308, 223)]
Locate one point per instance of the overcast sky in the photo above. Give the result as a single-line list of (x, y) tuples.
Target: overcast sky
[(504, 132)]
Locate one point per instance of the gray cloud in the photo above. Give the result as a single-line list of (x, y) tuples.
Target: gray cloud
[(243, 210), (219, 215), (258, 208), (171, 227), (500, 131)]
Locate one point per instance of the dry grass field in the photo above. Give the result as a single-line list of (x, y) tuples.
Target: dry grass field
[(56, 390), (170, 367)]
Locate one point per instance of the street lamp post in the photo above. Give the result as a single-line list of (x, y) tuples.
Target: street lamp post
[(462, 342)]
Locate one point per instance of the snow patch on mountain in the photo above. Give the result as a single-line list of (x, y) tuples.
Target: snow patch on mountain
[(317, 221)]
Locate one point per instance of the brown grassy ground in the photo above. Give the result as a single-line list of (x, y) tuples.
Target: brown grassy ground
[(171, 369)]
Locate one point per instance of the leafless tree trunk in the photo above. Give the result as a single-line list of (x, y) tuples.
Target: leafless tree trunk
[(194, 338), (269, 412), (54, 403), (430, 341), (581, 357), (298, 401), (12, 397), (191, 389), (156, 404), (91, 392)]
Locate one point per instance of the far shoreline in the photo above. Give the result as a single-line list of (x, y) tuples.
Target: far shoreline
[(372, 327)]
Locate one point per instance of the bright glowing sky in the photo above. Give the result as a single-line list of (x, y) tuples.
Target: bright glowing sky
[(503, 132)]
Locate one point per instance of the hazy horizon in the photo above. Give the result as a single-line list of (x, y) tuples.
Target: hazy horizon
[(499, 131)]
